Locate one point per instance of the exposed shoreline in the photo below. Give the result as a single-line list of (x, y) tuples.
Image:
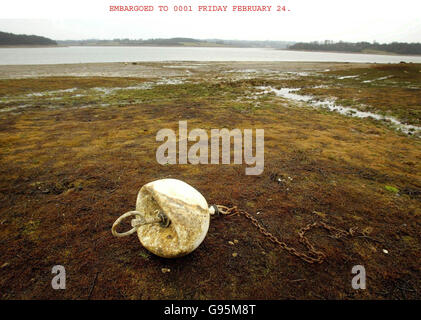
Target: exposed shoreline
[(154, 69)]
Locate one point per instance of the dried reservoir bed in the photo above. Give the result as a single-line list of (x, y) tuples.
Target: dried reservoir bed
[(76, 149)]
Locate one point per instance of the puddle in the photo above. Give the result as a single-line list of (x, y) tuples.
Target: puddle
[(169, 81), (53, 95), (378, 79), (243, 71), (300, 74), (184, 66), (290, 93), (347, 77), (143, 86), (106, 91), (8, 109), (45, 93)]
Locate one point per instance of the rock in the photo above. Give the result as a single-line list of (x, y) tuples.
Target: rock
[(231, 243), (235, 241), (235, 254), (385, 251)]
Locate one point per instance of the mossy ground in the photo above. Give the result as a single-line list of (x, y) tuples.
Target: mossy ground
[(69, 167)]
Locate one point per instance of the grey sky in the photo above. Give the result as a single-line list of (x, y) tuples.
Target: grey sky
[(358, 20)]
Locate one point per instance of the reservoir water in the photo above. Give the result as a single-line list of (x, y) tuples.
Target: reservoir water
[(65, 55)]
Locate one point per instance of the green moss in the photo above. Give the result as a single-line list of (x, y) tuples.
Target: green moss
[(144, 254), (391, 189), (31, 229)]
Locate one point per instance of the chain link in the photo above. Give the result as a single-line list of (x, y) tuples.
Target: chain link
[(312, 255)]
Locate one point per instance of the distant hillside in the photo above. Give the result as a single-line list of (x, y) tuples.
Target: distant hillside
[(179, 42), (11, 39), (360, 47)]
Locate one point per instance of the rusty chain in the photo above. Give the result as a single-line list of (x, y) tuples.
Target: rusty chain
[(312, 255)]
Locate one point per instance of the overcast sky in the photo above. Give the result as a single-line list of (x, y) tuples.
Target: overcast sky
[(308, 20)]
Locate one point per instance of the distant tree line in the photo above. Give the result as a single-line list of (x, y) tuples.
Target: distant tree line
[(176, 42), (11, 39), (253, 43), (129, 42), (394, 47)]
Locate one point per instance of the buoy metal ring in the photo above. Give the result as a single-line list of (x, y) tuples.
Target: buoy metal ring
[(136, 223)]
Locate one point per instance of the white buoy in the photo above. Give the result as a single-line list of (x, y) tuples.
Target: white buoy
[(171, 218)]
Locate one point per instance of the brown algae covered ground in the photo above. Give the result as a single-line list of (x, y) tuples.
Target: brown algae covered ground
[(76, 150)]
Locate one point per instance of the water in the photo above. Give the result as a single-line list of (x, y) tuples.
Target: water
[(62, 55), (290, 93)]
